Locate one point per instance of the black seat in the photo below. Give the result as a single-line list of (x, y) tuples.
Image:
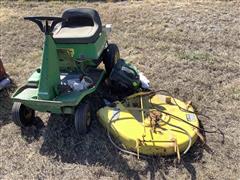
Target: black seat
[(82, 25)]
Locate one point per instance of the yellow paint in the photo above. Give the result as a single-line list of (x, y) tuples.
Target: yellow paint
[(128, 127)]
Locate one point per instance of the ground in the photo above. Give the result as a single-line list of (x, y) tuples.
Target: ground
[(190, 48)]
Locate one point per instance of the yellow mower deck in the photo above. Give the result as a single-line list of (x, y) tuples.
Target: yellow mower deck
[(145, 130)]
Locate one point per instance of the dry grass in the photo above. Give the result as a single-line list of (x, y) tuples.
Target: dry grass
[(191, 48)]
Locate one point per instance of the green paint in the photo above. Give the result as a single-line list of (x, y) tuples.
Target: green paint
[(57, 59), (64, 103), (50, 74), (35, 77), (90, 51)]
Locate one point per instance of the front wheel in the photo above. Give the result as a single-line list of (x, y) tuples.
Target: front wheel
[(82, 119), (22, 115)]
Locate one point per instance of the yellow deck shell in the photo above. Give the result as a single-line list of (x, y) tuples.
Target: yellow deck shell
[(127, 126)]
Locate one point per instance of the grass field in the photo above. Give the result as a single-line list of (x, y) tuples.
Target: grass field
[(190, 48)]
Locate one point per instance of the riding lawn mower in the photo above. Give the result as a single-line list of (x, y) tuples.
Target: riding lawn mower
[(75, 44)]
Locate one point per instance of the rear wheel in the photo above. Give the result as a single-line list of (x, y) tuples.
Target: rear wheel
[(22, 115), (110, 56), (83, 118)]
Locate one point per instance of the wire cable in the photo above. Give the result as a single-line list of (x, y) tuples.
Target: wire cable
[(114, 144), (171, 115), (135, 154), (217, 130), (153, 92), (189, 137)]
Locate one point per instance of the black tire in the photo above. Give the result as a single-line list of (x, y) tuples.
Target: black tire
[(83, 118), (110, 56), (22, 115)]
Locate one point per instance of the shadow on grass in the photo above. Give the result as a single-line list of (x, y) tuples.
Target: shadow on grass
[(159, 166), (63, 144), (33, 132)]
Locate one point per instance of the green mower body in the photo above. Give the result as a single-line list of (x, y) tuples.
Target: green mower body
[(41, 91), (68, 55)]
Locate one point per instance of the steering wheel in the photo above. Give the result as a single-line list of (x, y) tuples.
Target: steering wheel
[(45, 28)]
